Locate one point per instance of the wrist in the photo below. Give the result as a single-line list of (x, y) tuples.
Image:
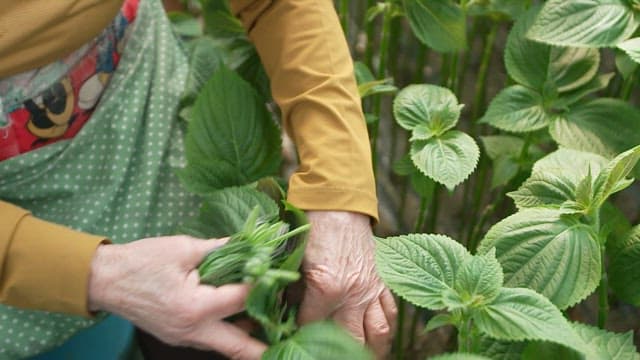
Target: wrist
[(103, 268)]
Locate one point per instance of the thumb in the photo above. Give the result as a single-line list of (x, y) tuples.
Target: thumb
[(202, 248)]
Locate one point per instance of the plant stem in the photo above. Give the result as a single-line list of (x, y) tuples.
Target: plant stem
[(399, 343), (478, 106), (413, 328), (453, 72), (369, 29), (444, 69), (627, 86), (464, 336), (420, 218), (481, 84), (603, 303), (421, 62), (433, 210), (344, 17), (382, 72), (467, 56), (477, 196)]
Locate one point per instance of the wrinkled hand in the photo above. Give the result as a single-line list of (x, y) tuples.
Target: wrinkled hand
[(152, 283), (341, 280)]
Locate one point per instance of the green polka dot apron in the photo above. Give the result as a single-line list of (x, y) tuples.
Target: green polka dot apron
[(115, 177)]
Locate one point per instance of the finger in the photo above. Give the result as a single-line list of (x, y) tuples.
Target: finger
[(314, 306), (352, 319), (390, 309), (233, 342), (223, 301), (202, 248), (377, 329)]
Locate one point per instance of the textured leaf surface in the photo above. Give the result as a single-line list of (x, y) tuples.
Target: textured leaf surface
[(499, 145), (537, 65), (439, 24), (608, 345), (434, 107), (523, 314), (544, 189), (318, 341), (540, 249), (419, 267), (204, 60), (625, 65), (448, 159), (593, 23), (623, 268), (613, 177), (505, 169), (517, 109), (231, 139), (596, 127), (571, 164), (605, 345), (500, 349), (224, 212), (479, 280)]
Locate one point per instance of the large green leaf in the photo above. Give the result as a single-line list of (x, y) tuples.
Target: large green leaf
[(625, 65), (426, 110), (538, 65), (448, 159), (500, 349), (505, 168), (567, 99), (219, 21), (479, 280), (613, 177), (544, 189), (224, 212), (592, 23), (231, 139), (623, 268), (318, 341), (439, 24), (185, 24), (419, 268), (204, 60), (541, 249), (570, 164), (604, 345), (517, 109), (522, 314), (496, 146), (632, 48), (608, 345), (602, 126)]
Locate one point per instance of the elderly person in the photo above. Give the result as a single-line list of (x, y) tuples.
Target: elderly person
[(88, 94)]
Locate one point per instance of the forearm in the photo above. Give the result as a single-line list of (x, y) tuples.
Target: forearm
[(43, 266), (307, 59)]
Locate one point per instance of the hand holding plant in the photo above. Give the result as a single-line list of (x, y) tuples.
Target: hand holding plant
[(152, 282), (342, 283)]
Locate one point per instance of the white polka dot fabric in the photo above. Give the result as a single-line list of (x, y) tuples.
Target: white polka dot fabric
[(115, 178)]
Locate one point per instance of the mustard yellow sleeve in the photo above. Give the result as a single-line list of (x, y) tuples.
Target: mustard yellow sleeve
[(305, 54), (43, 266)]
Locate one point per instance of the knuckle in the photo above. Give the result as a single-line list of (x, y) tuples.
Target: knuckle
[(324, 283), (236, 351), (381, 329)]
